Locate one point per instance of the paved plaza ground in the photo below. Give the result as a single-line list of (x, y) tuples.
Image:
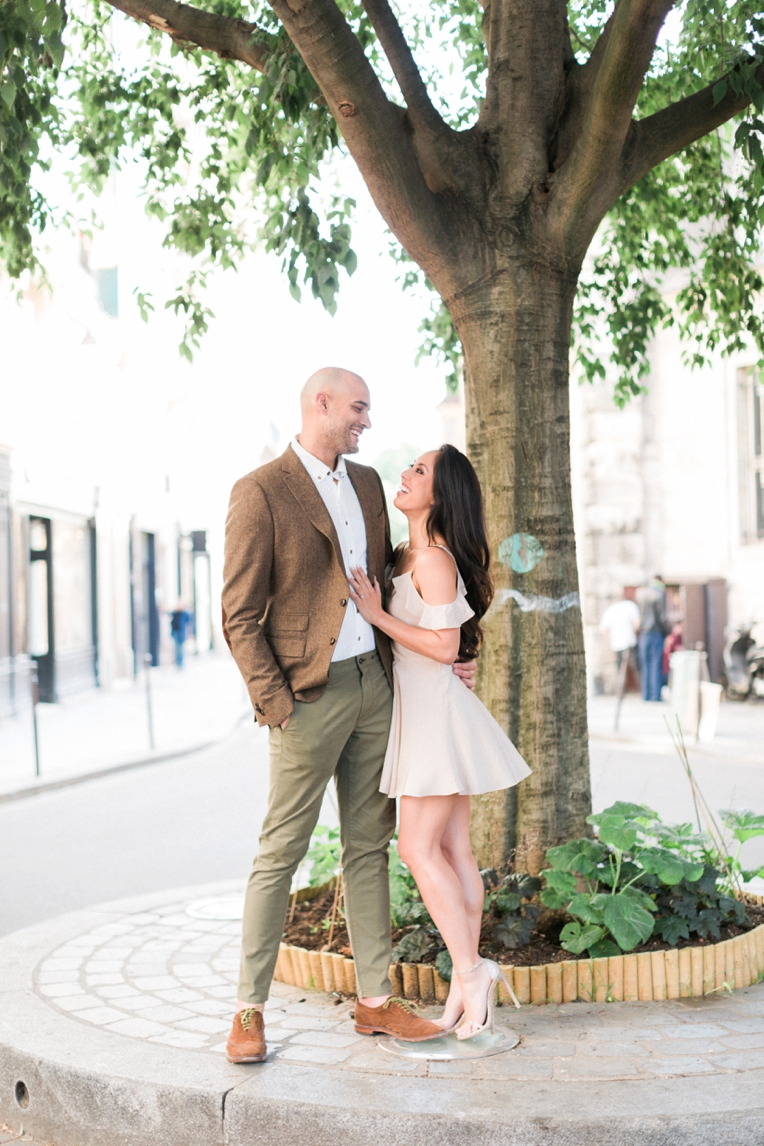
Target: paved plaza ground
[(113, 1022)]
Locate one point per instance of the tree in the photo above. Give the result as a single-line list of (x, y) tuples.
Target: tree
[(574, 121)]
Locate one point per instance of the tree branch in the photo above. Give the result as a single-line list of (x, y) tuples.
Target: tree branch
[(373, 128), (620, 60), (402, 62), (227, 36), (675, 127)]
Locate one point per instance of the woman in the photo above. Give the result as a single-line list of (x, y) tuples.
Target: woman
[(444, 744)]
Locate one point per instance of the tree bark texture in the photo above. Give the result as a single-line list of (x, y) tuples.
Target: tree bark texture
[(516, 337)]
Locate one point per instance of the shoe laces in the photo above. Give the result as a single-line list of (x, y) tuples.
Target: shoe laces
[(404, 1004), (247, 1016)]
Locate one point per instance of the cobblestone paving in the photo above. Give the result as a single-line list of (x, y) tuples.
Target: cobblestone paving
[(169, 976)]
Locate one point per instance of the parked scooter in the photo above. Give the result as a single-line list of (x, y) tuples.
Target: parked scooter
[(743, 674)]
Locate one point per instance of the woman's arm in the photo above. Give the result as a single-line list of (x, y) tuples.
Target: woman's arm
[(436, 583)]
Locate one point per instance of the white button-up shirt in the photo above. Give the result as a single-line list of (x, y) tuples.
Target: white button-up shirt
[(339, 497)]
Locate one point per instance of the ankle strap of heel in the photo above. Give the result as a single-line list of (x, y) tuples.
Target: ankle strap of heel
[(467, 970)]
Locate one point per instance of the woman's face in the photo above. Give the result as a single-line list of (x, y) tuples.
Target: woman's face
[(415, 493)]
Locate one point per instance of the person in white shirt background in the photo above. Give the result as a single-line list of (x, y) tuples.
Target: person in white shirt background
[(621, 622)]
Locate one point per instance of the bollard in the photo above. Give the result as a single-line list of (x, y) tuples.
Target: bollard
[(35, 699), (149, 710)]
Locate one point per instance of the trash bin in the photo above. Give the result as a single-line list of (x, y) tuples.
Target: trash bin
[(688, 669), (710, 699)]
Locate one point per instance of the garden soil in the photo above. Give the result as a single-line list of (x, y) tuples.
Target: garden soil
[(308, 927)]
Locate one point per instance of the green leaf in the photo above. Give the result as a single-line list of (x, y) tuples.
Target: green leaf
[(514, 930), (744, 825), (604, 947), (719, 91), (628, 811), (642, 897), (412, 946), (619, 832), (587, 907), (580, 856), (577, 939), (444, 966), (627, 921), (668, 866), (522, 884), (508, 901), (560, 889), (672, 928)]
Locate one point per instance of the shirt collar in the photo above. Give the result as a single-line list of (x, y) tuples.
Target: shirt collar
[(317, 469)]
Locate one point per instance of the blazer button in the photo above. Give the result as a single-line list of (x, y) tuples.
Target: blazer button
[(343, 601), (332, 641)]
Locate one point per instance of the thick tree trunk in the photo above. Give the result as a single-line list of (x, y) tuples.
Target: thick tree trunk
[(515, 330)]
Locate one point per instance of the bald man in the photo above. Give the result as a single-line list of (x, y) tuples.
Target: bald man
[(320, 678)]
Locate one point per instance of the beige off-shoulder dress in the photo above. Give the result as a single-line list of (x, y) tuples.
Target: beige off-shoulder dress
[(443, 740)]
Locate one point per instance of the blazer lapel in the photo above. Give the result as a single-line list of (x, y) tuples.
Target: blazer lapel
[(304, 491)]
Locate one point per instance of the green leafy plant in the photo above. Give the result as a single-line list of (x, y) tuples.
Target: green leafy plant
[(509, 917), (639, 878), (413, 946), (324, 855)]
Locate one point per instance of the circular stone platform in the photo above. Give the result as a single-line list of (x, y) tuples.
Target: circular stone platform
[(113, 1023)]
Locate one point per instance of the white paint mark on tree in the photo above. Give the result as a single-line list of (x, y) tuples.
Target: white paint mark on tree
[(529, 603)]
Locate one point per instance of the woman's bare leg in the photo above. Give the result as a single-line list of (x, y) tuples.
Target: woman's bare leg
[(457, 849), (423, 840)]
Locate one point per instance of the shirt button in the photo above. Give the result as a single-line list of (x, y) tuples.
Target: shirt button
[(343, 601), (332, 641)]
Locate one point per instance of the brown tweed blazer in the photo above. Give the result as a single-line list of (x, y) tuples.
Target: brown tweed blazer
[(285, 591)]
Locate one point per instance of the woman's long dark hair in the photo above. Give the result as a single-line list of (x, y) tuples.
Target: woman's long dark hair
[(457, 516)]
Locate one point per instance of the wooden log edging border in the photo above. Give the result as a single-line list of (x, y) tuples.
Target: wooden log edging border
[(685, 973)]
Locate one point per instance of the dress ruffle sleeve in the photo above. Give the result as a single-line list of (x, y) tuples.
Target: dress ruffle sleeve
[(451, 616)]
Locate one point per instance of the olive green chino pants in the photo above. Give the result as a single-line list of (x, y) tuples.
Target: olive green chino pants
[(343, 735)]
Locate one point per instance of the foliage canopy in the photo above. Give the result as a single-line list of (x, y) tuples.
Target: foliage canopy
[(236, 154)]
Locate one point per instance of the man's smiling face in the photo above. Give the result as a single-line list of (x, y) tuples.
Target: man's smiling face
[(347, 415)]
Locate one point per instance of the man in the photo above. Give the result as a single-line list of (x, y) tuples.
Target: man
[(621, 622), (651, 599), (320, 677), (179, 621)]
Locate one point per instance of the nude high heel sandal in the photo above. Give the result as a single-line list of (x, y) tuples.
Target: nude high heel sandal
[(497, 975)]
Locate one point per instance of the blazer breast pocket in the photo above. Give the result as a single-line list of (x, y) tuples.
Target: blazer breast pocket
[(287, 646)]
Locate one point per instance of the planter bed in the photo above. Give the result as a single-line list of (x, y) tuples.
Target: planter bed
[(672, 973)]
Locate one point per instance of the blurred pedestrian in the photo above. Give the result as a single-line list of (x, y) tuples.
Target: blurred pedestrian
[(651, 599), (672, 642), (179, 621), (621, 622)]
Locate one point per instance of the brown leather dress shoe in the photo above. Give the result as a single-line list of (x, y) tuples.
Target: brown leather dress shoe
[(246, 1042), (395, 1017)]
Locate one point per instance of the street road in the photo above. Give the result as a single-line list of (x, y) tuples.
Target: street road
[(197, 819), (188, 821)]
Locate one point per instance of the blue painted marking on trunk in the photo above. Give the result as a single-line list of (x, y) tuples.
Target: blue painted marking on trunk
[(521, 552)]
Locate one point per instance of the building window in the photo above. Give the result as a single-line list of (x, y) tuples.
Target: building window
[(751, 439)]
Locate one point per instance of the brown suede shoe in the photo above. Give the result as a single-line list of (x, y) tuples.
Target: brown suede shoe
[(395, 1017), (246, 1042)]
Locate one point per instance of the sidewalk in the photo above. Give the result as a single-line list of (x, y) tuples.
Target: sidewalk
[(101, 730), (739, 734)]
